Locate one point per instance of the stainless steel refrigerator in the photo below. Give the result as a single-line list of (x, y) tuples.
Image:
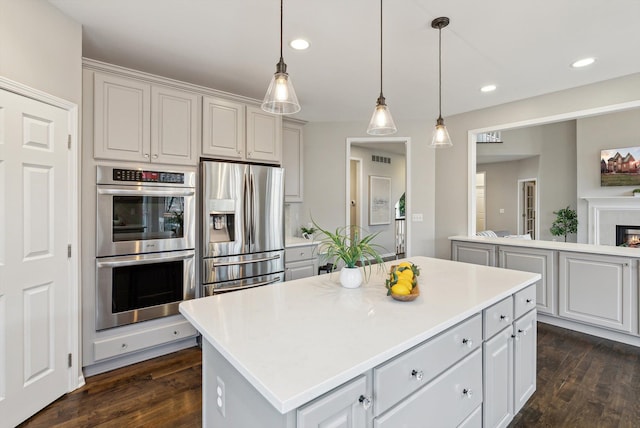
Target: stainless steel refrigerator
[(242, 243)]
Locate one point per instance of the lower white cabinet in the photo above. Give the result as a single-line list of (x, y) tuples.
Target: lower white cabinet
[(300, 262), (510, 361), (597, 289), (345, 407), (472, 252)]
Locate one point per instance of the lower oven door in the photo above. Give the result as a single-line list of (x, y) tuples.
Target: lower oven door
[(141, 287), (244, 271)]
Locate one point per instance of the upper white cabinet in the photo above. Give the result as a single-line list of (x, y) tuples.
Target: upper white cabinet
[(137, 121), (234, 130), (598, 290), (292, 160)]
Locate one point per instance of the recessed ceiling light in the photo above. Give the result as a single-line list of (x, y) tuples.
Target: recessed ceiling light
[(299, 44), (583, 62), (488, 88)]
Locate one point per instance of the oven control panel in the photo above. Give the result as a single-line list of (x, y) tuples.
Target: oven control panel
[(141, 176)]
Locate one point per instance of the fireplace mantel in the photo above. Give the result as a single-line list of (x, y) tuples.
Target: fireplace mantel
[(598, 206)]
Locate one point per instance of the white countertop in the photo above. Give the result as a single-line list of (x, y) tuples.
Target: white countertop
[(294, 241), (553, 245), (296, 340)]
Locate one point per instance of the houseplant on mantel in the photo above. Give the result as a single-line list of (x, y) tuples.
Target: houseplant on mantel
[(358, 253)]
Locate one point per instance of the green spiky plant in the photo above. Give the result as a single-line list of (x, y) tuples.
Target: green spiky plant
[(354, 252), (566, 222)]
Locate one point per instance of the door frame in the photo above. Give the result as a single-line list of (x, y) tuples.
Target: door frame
[(407, 171), (521, 197), (358, 191), (75, 376)]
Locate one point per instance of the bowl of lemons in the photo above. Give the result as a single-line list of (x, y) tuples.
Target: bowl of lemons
[(402, 283)]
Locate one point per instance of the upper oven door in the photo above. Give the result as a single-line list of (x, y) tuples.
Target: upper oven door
[(144, 219)]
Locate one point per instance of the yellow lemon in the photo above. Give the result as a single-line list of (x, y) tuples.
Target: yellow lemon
[(405, 264), (405, 282), (407, 273), (400, 289)]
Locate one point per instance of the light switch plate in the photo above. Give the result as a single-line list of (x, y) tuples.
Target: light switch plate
[(416, 217)]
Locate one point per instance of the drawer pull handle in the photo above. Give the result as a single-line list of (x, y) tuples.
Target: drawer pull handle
[(529, 300), (504, 318), (468, 392), (468, 342), (516, 337), (418, 374), (124, 346), (365, 401), (176, 332)]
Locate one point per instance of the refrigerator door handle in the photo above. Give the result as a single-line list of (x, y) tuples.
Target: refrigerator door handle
[(252, 219), (244, 262), (247, 205)]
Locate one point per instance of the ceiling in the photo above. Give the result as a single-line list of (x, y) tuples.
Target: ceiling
[(523, 47)]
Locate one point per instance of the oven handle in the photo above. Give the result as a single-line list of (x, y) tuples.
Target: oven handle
[(256, 284), (146, 192), (145, 259), (244, 262)]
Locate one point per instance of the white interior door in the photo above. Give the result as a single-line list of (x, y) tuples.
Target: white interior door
[(34, 272)]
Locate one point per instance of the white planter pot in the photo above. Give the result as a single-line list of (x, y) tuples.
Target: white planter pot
[(351, 277)]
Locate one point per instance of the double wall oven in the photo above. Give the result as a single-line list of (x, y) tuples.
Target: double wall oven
[(145, 244)]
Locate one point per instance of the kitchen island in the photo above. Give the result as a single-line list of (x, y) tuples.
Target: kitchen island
[(306, 351)]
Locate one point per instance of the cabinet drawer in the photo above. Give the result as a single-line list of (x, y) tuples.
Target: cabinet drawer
[(525, 300), (294, 254), (124, 344), (400, 377), (445, 402), (497, 317)]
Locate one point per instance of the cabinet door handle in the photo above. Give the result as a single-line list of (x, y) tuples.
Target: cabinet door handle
[(155, 156), (365, 401), (529, 300), (146, 155), (467, 392), (515, 337), (468, 342), (524, 332), (418, 374)]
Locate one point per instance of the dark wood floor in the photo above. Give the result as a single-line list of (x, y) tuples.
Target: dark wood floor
[(583, 381)]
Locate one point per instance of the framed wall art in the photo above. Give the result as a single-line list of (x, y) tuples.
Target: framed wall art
[(620, 167), (379, 200)]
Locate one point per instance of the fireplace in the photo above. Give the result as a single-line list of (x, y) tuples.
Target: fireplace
[(628, 236)]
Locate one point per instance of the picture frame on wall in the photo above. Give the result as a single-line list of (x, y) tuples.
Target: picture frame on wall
[(379, 200), (620, 167)]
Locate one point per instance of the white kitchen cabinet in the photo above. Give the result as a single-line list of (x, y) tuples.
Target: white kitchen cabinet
[(345, 407), (300, 261), (472, 252), (292, 160), (498, 374), (524, 355), (509, 357), (598, 290), (537, 261), (138, 121), (236, 131)]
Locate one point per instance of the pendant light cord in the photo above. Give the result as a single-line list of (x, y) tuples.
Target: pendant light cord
[(281, 28), (440, 72), (381, 48)]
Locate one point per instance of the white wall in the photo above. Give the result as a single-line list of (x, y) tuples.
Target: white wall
[(501, 193), (41, 48), (325, 176), (452, 195)]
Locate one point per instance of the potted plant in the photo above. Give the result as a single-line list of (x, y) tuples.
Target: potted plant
[(355, 250), (308, 231), (566, 222)]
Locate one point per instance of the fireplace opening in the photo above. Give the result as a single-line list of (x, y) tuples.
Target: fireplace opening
[(628, 236)]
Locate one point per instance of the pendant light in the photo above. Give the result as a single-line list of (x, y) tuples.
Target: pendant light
[(281, 97), (441, 137), (381, 122)]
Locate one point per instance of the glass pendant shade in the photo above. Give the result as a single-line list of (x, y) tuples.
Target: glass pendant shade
[(381, 122), (281, 97), (441, 137)]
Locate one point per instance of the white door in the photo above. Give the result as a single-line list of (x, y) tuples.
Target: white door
[(34, 273)]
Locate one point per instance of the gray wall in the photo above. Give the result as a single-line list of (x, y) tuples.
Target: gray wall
[(41, 48)]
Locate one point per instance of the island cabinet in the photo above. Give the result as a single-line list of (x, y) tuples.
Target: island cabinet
[(597, 289), (136, 120), (238, 131), (472, 252), (509, 366)]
